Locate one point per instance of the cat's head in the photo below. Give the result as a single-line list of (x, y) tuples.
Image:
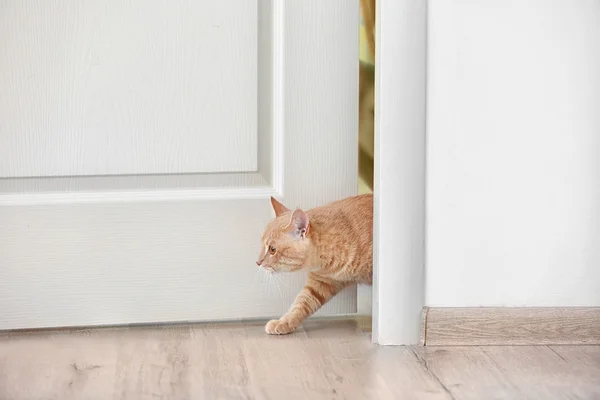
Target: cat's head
[(285, 243)]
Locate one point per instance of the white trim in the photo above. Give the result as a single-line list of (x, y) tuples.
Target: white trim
[(136, 196), (399, 205)]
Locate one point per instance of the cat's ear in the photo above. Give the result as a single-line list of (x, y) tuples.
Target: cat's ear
[(278, 207), (299, 224)]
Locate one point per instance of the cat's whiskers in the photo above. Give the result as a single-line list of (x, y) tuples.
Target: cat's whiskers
[(256, 274), (268, 284), (272, 280), (263, 280), (280, 280)]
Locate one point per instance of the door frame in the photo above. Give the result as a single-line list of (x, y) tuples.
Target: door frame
[(400, 174)]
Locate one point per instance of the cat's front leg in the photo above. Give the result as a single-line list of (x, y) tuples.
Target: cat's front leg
[(317, 291)]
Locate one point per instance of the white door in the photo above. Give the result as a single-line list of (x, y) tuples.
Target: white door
[(140, 141)]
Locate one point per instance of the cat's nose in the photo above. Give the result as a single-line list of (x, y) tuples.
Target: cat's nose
[(258, 264)]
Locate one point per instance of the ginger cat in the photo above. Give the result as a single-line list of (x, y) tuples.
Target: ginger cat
[(333, 243)]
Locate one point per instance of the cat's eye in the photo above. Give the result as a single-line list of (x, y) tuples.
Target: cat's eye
[(272, 250)]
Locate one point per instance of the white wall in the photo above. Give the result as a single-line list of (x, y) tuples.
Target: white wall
[(513, 191)]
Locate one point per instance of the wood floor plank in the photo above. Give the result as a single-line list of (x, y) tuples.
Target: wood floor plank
[(585, 356), (583, 362), (494, 326), (512, 372), (539, 372), (466, 372), (154, 363), (346, 368), (58, 366), (185, 362), (405, 375)]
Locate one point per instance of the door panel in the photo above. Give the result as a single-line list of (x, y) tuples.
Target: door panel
[(137, 161), (128, 87)]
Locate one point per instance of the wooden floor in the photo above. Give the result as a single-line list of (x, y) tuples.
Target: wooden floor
[(324, 360)]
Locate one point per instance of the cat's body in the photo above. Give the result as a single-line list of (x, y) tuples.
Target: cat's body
[(334, 243)]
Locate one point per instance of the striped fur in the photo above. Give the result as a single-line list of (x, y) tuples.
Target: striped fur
[(333, 243)]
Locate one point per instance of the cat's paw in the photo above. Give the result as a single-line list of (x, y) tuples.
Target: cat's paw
[(278, 327)]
